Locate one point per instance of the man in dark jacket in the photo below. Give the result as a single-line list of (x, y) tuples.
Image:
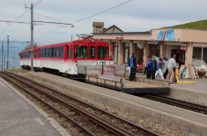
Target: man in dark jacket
[(132, 65), (151, 68)]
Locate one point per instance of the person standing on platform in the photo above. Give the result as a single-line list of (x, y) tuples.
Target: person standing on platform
[(151, 68), (148, 67), (159, 68), (164, 68), (154, 68), (171, 69), (145, 65), (132, 65)]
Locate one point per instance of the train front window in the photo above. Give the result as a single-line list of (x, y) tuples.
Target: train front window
[(103, 52), (92, 52), (81, 51)]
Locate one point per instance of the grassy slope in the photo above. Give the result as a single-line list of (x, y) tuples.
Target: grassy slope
[(199, 25)]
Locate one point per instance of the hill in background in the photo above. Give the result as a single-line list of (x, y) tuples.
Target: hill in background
[(198, 25)]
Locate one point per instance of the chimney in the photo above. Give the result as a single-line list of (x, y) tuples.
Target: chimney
[(98, 27)]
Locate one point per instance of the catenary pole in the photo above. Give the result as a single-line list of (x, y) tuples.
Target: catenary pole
[(2, 55), (32, 37), (4, 61), (7, 58)]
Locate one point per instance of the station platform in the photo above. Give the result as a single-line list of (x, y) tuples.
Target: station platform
[(19, 118), (195, 93)]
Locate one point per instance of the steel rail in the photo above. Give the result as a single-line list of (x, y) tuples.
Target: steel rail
[(61, 95), (49, 105), (178, 103), (95, 108), (105, 124)]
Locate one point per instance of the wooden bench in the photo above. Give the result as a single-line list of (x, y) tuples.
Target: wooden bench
[(94, 76)]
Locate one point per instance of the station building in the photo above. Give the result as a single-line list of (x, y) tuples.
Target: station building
[(185, 43)]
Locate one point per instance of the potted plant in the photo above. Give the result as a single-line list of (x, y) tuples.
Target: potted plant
[(202, 71)]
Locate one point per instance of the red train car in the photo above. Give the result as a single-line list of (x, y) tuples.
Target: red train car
[(67, 57)]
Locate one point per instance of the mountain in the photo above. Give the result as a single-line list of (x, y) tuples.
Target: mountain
[(14, 49), (198, 25)]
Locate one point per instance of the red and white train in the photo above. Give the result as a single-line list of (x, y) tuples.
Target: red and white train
[(68, 56)]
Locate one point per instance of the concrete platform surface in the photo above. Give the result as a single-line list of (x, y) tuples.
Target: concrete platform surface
[(195, 93), (199, 87), (18, 118)]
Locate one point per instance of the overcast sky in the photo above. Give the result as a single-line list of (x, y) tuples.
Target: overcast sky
[(137, 15)]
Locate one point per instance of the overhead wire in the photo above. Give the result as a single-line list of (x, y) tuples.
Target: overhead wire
[(85, 18), (77, 21), (51, 18), (37, 3), (16, 19), (103, 11), (16, 22), (19, 17)]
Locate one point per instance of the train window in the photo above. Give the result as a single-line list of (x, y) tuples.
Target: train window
[(69, 53), (41, 52), (44, 52), (58, 52), (103, 52), (61, 51), (47, 52), (92, 52), (36, 54), (55, 52), (26, 55), (52, 52), (80, 51)]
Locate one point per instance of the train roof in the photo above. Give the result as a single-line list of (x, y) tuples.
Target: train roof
[(78, 42), (89, 41)]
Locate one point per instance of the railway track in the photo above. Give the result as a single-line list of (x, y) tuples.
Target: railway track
[(87, 118), (178, 103)]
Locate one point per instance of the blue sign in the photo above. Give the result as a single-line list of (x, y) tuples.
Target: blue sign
[(168, 35), (160, 35)]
